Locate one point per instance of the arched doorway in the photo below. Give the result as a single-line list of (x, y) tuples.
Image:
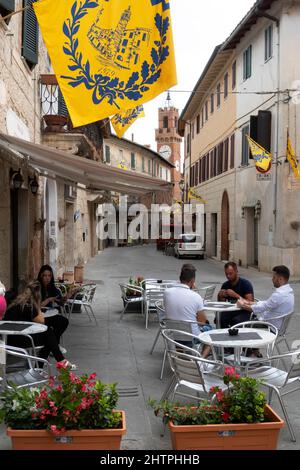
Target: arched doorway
[(225, 227), (50, 234)]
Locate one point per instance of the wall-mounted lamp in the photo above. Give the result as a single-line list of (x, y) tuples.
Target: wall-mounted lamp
[(16, 179), (181, 185), (33, 184)]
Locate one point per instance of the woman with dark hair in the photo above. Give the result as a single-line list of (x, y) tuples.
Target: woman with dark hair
[(51, 297), (27, 307)]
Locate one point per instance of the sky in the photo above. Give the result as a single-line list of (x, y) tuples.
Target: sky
[(198, 27)]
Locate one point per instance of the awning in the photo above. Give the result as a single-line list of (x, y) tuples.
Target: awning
[(74, 169)]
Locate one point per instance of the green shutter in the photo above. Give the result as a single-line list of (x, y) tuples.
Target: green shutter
[(30, 44), (8, 5)]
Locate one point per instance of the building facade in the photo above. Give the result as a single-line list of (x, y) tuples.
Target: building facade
[(249, 82)]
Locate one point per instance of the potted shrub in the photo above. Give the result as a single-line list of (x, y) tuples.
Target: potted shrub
[(135, 282), (70, 413), (237, 418)]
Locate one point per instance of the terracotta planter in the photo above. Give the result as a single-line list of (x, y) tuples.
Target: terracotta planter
[(256, 436), (86, 439)]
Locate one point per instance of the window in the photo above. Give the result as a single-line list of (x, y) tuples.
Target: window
[(226, 154), (212, 103), (197, 174), (154, 169), (30, 35), (247, 63), (198, 124), (6, 7), (225, 86), (245, 146), (193, 130), (206, 111), (202, 117), (220, 158), (160, 172), (233, 75), (219, 95), (211, 158), (107, 154), (165, 122), (133, 161), (143, 163), (149, 167), (232, 149), (188, 144), (269, 42)]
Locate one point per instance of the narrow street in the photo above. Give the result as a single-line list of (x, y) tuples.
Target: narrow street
[(119, 352)]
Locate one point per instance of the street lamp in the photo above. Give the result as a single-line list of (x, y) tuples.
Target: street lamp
[(16, 179), (34, 185)]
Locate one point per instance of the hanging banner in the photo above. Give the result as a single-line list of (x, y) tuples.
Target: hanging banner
[(108, 55), (122, 121), (290, 155), (263, 159)]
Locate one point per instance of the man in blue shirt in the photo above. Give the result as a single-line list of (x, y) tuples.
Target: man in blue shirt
[(232, 290)]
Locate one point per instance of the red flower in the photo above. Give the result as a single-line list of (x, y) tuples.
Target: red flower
[(225, 417)]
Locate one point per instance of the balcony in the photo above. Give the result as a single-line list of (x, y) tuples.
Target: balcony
[(57, 129)]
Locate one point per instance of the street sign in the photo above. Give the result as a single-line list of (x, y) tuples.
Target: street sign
[(263, 177)]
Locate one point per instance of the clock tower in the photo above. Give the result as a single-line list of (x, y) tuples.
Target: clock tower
[(168, 143)]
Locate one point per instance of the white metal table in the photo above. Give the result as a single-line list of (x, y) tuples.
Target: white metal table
[(246, 338), (15, 328), (218, 308)]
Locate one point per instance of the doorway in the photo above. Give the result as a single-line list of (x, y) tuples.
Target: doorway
[(225, 227), (50, 235), (19, 238)]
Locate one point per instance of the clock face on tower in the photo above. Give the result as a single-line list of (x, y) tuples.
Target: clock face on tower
[(165, 151)]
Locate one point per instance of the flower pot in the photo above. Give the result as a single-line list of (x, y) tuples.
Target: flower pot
[(254, 436), (78, 273), (86, 439)]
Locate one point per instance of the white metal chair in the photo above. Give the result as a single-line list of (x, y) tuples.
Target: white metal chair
[(206, 292), (84, 298), (282, 382), (130, 300), (190, 369), (182, 330), (282, 330), (161, 315), (27, 375)]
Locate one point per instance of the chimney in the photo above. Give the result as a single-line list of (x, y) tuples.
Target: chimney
[(132, 137)]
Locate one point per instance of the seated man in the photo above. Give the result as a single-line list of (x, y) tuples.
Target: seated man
[(281, 302), (233, 289), (181, 303)]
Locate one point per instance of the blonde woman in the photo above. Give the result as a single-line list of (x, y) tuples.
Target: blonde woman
[(27, 307)]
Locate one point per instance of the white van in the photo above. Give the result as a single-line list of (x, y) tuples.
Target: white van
[(189, 244)]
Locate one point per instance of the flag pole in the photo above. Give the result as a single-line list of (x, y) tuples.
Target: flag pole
[(3, 18)]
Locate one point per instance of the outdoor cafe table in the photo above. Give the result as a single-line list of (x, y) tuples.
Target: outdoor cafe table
[(8, 328), (218, 308), (246, 338)]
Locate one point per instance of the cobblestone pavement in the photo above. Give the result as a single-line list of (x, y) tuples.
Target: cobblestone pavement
[(119, 351)]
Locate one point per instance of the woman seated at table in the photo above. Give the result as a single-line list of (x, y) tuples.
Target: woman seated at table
[(27, 307), (51, 298)]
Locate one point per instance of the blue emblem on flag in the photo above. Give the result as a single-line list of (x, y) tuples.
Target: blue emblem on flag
[(165, 4)]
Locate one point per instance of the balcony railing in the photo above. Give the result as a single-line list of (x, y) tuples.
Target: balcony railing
[(55, 115)]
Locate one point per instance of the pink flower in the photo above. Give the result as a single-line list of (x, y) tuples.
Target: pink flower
[(220, 395), (230, 371), (54, 430)]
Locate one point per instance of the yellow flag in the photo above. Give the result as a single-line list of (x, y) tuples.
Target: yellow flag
[(262, 157), (108, 55), (122, 121), (290, 155), (193, 194)]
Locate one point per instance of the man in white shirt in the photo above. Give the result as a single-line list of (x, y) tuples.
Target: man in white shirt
[(182, 303), (281, 301)]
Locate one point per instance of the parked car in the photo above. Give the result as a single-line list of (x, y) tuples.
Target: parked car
[(189, 244)]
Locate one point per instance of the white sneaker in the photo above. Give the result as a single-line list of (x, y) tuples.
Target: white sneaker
[(62, 349), (69, 364)]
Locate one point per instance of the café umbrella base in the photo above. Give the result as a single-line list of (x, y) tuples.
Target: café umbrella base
[(86, 439), (254, 436)]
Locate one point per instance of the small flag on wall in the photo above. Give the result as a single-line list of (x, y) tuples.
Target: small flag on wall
[(290, 155), (122, 121), (108, 55), (262, 158)]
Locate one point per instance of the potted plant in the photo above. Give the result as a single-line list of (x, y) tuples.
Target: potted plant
[(237, 418), (135, 282), (69, 413)]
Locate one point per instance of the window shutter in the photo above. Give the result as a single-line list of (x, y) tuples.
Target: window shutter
[(62, 107), (30, 35), (8, 5)]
